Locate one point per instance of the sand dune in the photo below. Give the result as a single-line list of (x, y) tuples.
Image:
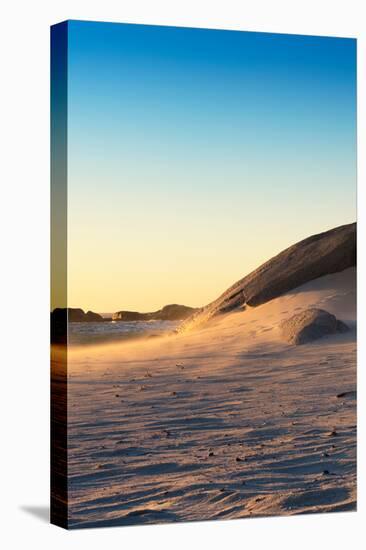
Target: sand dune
[(316, 256), (223, 422)]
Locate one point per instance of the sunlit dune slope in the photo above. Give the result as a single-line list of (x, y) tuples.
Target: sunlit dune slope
[(314, 257)]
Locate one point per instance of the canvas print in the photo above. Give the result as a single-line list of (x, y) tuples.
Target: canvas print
[(203, 308)]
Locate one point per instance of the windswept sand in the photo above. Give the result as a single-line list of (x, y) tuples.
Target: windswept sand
[(222, 422)]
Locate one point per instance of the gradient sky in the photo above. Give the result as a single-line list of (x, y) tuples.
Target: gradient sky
[(195, 155)]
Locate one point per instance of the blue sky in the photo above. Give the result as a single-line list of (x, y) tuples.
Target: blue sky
[(194, 155)]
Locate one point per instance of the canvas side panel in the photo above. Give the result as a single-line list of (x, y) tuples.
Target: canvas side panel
[(59, 494)]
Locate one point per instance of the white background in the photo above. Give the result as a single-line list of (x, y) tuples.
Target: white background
[(24, 272)]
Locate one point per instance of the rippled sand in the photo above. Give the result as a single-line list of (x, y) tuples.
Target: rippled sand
[(223, 422)]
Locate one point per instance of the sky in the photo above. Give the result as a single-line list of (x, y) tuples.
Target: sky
[(195, 155)]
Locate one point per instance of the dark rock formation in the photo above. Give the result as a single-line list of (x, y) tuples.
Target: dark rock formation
[(310, 325), (91, 317), (61, 316), (318, 255), (77, 315), (171, 312)]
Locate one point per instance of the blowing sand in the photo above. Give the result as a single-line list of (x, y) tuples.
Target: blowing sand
[(227, 421)]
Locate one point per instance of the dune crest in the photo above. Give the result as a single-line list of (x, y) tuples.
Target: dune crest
[(319, 255)]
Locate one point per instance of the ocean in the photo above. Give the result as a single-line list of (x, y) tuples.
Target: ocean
[(94, 333)]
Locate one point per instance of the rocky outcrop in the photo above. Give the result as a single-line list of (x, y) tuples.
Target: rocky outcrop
[(60, 317), (91, 317), (171, 312), (314, 257), (310, 325), (77, 315)]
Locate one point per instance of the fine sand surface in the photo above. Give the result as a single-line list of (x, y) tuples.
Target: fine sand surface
[(225, 421)]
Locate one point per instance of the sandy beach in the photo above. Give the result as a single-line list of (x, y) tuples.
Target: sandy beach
[(225, 421)]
